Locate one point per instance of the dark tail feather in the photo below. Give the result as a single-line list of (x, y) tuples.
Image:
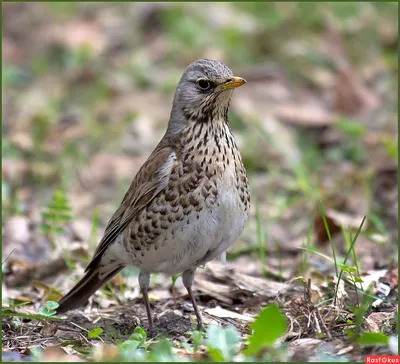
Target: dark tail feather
[(89, 284)]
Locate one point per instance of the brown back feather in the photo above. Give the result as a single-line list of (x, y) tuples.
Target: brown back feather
[(144, 187)]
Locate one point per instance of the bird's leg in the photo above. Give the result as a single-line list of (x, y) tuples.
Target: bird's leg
[(187, 278), (196, 309), (144, 282)]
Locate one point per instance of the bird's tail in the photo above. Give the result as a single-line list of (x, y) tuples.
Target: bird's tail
[(89, 284)]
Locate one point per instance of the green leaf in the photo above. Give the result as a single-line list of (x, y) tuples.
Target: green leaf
[(197, 336), (175, 277), (44, 311), (16, 323), (138, 335), (95, 333), (221, 342), (186, 346), (45, 228), (362, 310), (129, 345), (348, 269), (269, 325), (56, 214), (162, 351), (128, 354), (350, 127), (372, 339), (215, 354), (136, 340), (391, 147), (318, 253), (49, 309), (58, 230), (51, 305)]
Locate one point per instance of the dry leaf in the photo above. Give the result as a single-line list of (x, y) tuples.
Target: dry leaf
[(223, 313), (49, 329)]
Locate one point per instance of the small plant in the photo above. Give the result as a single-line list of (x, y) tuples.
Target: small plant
[(16, 323), (95, 333), (45, 313), (341, 267), (391, 147), (350, 128), (49, 309), (136, 348), (373, 339), (196, 338), (350, 270), (162, 351), (174, 279), (365, 338), (55, 215), (304, 261), (221, 342), (136, 341), (328, 233), (273, 319)]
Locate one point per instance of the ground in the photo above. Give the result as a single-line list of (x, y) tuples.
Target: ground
[(87, 91)]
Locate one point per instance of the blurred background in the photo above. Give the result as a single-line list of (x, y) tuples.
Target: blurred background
[(87, 91)]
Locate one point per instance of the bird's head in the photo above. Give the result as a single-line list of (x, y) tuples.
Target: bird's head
[(203, 93)]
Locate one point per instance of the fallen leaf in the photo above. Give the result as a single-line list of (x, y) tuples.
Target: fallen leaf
[(49, 329), (221, 312), (376, 319)]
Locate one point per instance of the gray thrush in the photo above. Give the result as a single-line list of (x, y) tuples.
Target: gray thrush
[(189, 201)]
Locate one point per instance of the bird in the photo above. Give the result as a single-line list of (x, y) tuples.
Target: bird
[(189, 201)]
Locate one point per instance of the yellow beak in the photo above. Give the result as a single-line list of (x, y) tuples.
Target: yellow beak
[(233, 83)]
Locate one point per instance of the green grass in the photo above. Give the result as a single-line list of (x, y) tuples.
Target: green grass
[(304, 261), (321, 209), (55, 216), (51, 85), (351, 250), (46, 312)]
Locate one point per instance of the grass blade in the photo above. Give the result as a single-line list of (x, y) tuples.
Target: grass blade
[(347, 256), (321, 209)]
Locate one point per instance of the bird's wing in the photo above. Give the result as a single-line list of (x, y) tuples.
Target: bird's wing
[(152, 178)]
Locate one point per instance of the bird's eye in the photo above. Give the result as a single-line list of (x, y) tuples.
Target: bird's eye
[(205, 84)]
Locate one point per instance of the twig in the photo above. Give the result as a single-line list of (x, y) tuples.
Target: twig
[(85, 339), (318, 328), (328, 334), (79, 327)]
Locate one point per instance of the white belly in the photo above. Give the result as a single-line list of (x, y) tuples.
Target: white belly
[(201, 240), (192, 243)]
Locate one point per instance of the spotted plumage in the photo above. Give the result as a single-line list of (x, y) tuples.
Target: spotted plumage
[(189, 201)]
